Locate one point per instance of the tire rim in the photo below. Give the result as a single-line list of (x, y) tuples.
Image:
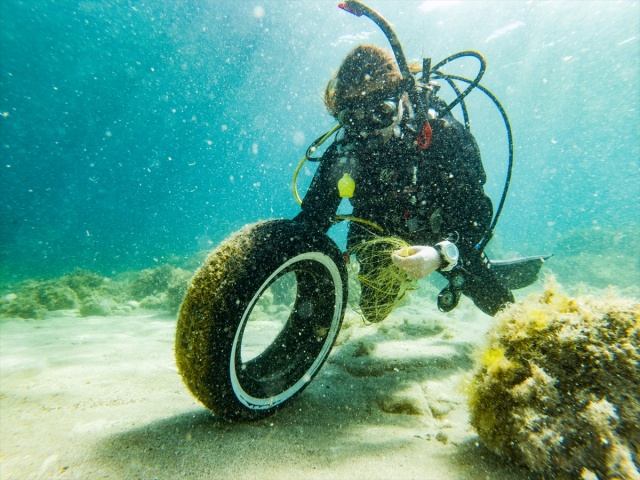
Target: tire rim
[(241, 381)]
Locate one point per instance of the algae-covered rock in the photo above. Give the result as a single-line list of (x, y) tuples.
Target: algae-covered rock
[(151, 281), (153, 302), (97, 306), (176, 289), (54, 295), (558, 388), (163, 287), (32, 298), (83, 282), (19, 305)]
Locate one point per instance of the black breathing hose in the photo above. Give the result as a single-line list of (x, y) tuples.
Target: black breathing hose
[(358, 9), (472, 85), (483, 243)]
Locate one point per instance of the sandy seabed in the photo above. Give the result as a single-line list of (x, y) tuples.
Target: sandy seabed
[(101, 398)]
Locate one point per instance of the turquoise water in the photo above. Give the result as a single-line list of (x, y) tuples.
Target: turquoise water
[(139, 133)]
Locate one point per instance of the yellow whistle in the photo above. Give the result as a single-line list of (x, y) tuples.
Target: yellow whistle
[(346, 186)]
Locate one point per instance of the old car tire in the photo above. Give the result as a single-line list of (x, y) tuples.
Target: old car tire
[(223, 298)]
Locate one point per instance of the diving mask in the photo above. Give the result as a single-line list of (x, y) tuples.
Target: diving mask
[(368, 119)]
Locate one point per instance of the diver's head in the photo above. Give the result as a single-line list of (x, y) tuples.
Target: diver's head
[(364, 91)]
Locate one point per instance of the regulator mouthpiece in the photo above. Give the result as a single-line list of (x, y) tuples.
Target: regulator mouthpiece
[(350, 7)]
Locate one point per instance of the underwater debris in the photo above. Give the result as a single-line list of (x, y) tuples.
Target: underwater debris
[(557, 386), (383, 285), (228, 257)]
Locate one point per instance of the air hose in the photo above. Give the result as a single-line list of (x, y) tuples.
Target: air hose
[(485, 240), (307, 156)]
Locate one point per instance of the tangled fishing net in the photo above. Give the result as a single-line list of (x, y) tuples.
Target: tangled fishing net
[(383, 285)]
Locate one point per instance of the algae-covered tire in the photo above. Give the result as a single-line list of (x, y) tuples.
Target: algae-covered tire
[(259, 318)]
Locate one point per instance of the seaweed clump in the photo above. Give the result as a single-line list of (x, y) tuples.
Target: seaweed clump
[(557, 387), (34, 298), (383, 285), (161, 288)]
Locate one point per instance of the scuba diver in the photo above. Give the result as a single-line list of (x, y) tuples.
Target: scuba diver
[(416, 181), (416, 174)]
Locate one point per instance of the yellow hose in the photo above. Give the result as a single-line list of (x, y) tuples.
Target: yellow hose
[(360, 220), (310, 151)]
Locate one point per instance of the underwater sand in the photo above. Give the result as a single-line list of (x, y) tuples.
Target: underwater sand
[(100, 397)]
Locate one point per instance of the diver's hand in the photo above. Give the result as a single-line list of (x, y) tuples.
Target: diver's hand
[(418, 261), (421, 261)]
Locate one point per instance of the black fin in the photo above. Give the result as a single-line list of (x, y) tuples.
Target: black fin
[(519, 272)]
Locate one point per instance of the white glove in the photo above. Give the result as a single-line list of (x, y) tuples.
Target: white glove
[(421, 261)]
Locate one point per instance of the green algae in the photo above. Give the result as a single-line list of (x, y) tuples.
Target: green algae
[(87, 293), (557, 388)]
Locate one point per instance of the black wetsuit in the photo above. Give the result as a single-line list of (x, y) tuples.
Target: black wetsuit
[(422, 196)]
